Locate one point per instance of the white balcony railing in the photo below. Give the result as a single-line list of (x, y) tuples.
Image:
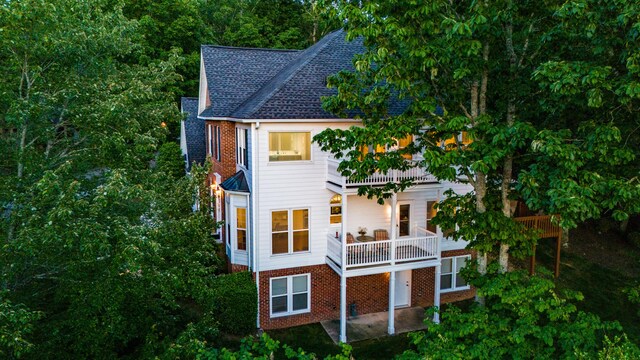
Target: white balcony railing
[(417, 174), (385, 252)]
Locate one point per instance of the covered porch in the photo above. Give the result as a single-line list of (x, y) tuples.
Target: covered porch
[(372, 326), (402, 241)]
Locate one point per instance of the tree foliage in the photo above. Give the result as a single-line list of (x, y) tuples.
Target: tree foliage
[(522, 318), (105, 247), (503, 75)]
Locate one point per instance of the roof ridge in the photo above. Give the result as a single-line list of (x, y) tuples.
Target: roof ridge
[(288, 71), (249, 48)]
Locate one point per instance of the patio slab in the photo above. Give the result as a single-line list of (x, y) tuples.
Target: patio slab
[(371, 326)]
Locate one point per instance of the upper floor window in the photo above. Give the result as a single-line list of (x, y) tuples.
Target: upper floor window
[(450, 278), (463, 139), (431, 213), (289, 231), (210, 140), (289, 146), (241, 228), (379, 149), (216, 141), (335, 216), (242, 157)]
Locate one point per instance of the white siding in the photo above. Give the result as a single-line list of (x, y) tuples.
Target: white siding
[(292, 185)]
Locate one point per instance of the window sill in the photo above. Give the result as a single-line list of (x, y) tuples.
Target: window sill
[(278, 315), (290, 162), (292, 253), (455, 289)]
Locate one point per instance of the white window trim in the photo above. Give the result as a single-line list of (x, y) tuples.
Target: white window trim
[(246, 232), (278, 163), (290, 232), (290, 294), (241, 146), (209, 140), (453, 273), (217, 141)]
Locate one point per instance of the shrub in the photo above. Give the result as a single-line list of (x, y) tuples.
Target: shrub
[(235, 303)]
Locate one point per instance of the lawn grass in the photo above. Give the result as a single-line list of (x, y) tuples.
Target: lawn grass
[(313, 339), (602, 287)]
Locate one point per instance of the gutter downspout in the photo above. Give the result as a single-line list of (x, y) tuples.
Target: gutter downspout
[(254, 206)]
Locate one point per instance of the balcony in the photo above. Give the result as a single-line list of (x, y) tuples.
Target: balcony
[(417, 174), (425, 246)]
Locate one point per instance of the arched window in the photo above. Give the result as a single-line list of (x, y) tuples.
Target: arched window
[(335, 216)]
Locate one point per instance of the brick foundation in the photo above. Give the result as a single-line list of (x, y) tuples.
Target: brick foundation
[(325, 297), (370, 293)]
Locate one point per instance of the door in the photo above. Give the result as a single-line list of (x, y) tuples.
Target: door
[(404, 219), (403, 288)]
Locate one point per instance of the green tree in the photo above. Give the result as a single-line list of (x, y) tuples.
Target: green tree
[(106, 248), (16, 323), (468, 76), (522, 318)]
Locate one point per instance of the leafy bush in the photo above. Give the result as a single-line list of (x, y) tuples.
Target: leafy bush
[(634, 237), (522, 318), (235, 303), (16, 323)]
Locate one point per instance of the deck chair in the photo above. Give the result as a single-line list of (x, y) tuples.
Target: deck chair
[(380, 234)]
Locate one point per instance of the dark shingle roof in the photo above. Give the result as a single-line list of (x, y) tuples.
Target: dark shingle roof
[(290, 90), (194, 131), (238, 182), (233, 74)]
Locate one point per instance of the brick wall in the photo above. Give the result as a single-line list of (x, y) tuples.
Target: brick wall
[(325, 297), (370, 293), (226, 167)]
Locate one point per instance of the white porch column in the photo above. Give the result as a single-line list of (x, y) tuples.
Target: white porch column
[(436, 300), (344, 233), (343, 309), (394, 230), (392, 302)]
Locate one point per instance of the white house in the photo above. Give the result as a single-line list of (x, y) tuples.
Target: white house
[(291, 218)]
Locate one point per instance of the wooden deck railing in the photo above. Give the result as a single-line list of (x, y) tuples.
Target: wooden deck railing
[(541, 222)]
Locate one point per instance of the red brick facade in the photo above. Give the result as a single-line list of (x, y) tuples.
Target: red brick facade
[(226, 167), (370, 293)]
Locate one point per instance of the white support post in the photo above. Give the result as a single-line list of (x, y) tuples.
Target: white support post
[(392, 302), (394, 225), (343, 309), (344, 233), (436, 300)]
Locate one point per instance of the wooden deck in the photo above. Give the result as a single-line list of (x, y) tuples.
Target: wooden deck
[(547, 230)]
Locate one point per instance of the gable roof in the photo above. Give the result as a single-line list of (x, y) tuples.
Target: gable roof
[(194, 132), (290, 90), (233, 74)]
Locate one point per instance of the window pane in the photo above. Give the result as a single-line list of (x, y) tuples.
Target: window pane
[(242, 239), (279, 304), (300, 302), (300, 219), (460, 263), (279, 243), (289, 146), (278, 286), (446, 265), (336, 210), (336, 199), (335, 219), (460, 281), (301, 240), (299, 284), (241, 217), (279, 221), (445, 281)]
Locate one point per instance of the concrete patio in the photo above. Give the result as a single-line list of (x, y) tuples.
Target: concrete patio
[(371, 326)]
